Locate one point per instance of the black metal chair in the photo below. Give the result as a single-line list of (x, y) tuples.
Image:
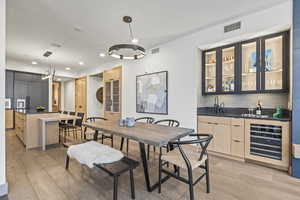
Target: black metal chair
[(148, 120), (78, 125), (166, 122), (63, 127), (116, 169), (187, 156), (70, 125), (103, 135)]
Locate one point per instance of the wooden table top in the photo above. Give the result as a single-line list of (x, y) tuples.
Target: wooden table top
[(153, 134), (59, 117)]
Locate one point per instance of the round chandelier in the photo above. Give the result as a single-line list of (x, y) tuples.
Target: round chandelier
[(127, 51)]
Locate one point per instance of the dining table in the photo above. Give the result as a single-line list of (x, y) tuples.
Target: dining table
[(144, 134), (57, 118)]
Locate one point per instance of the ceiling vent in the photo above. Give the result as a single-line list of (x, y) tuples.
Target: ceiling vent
[(232, 27), (47, 54), (154, 51)]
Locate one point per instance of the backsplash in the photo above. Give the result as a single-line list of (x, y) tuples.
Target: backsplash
[(246, 100)]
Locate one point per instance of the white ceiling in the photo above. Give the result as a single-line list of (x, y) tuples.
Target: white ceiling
[(32, 26)]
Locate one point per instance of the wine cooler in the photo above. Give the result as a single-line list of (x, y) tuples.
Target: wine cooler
[(268, 141)]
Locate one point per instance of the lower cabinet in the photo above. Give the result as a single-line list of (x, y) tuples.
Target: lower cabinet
[(221, 129), (264, 141)]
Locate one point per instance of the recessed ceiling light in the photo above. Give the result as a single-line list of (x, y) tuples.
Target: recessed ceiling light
[(34, 63), (68, 68), (135, 40), (102, 54), (81, 63)]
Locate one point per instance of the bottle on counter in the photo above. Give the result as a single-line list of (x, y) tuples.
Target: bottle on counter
[(258, 108)]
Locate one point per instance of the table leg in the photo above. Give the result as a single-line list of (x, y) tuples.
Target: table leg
[(96, 135), (150, 187), (43, 135)]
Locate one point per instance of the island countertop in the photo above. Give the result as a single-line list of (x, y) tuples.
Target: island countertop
[(32, 111)]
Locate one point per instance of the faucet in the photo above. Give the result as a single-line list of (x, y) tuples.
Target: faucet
[(218, 108), (216, 104)]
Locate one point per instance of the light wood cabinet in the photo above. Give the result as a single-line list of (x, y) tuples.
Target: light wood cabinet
[(263, 141), (228, 134), (222, 138), (206, 127), (80, 95), (113, 93), (9, 119), (219, 127), (28, 129)]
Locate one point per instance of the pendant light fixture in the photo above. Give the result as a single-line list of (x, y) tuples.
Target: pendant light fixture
[(127, 51)]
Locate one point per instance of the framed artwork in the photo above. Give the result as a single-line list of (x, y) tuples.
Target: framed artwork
[(152, 93)]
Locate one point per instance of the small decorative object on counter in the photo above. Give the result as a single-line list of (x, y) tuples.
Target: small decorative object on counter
[(40, 108), (278, 113), (258, 108)]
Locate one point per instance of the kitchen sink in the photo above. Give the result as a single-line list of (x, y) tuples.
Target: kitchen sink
[(253, 115)]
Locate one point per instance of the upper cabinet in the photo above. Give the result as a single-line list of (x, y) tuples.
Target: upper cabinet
[(256, 66)]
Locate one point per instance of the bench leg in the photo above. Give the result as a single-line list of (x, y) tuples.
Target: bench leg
[(132, 184), (67, 162), (115, 188)]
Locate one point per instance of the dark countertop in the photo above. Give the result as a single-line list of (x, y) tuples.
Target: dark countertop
[(32, 111), (238, 113)]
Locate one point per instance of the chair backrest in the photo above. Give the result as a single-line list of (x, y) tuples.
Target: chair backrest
[(148, 120), (168, 122), (202, 139), (93, 119), (78, 122), (71, 120)]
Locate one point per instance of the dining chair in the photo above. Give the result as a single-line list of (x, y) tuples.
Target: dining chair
[(166, 122), (70, 124), (77, 126), (62, 125), (189, 155), (103, 135), (148, 120)]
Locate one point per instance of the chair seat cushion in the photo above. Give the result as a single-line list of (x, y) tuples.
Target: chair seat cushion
[(92, 152), (192, 153)]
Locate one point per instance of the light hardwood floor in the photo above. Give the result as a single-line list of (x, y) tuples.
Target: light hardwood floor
[(37, 175)]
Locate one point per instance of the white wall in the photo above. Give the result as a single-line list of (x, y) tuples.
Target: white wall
[(94, 107), (182, 59), (69, 95), (3, 186)]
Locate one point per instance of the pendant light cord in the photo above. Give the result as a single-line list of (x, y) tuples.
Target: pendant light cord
[(130, 29)]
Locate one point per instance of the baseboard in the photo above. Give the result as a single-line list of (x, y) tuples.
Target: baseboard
[(3, 189)]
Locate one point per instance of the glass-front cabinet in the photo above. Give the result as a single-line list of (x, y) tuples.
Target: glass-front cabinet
[(228, 69), (250, 66), (210, 69), (259, 65)]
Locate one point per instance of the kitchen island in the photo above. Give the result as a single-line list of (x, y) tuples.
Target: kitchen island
[(28, 128)]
